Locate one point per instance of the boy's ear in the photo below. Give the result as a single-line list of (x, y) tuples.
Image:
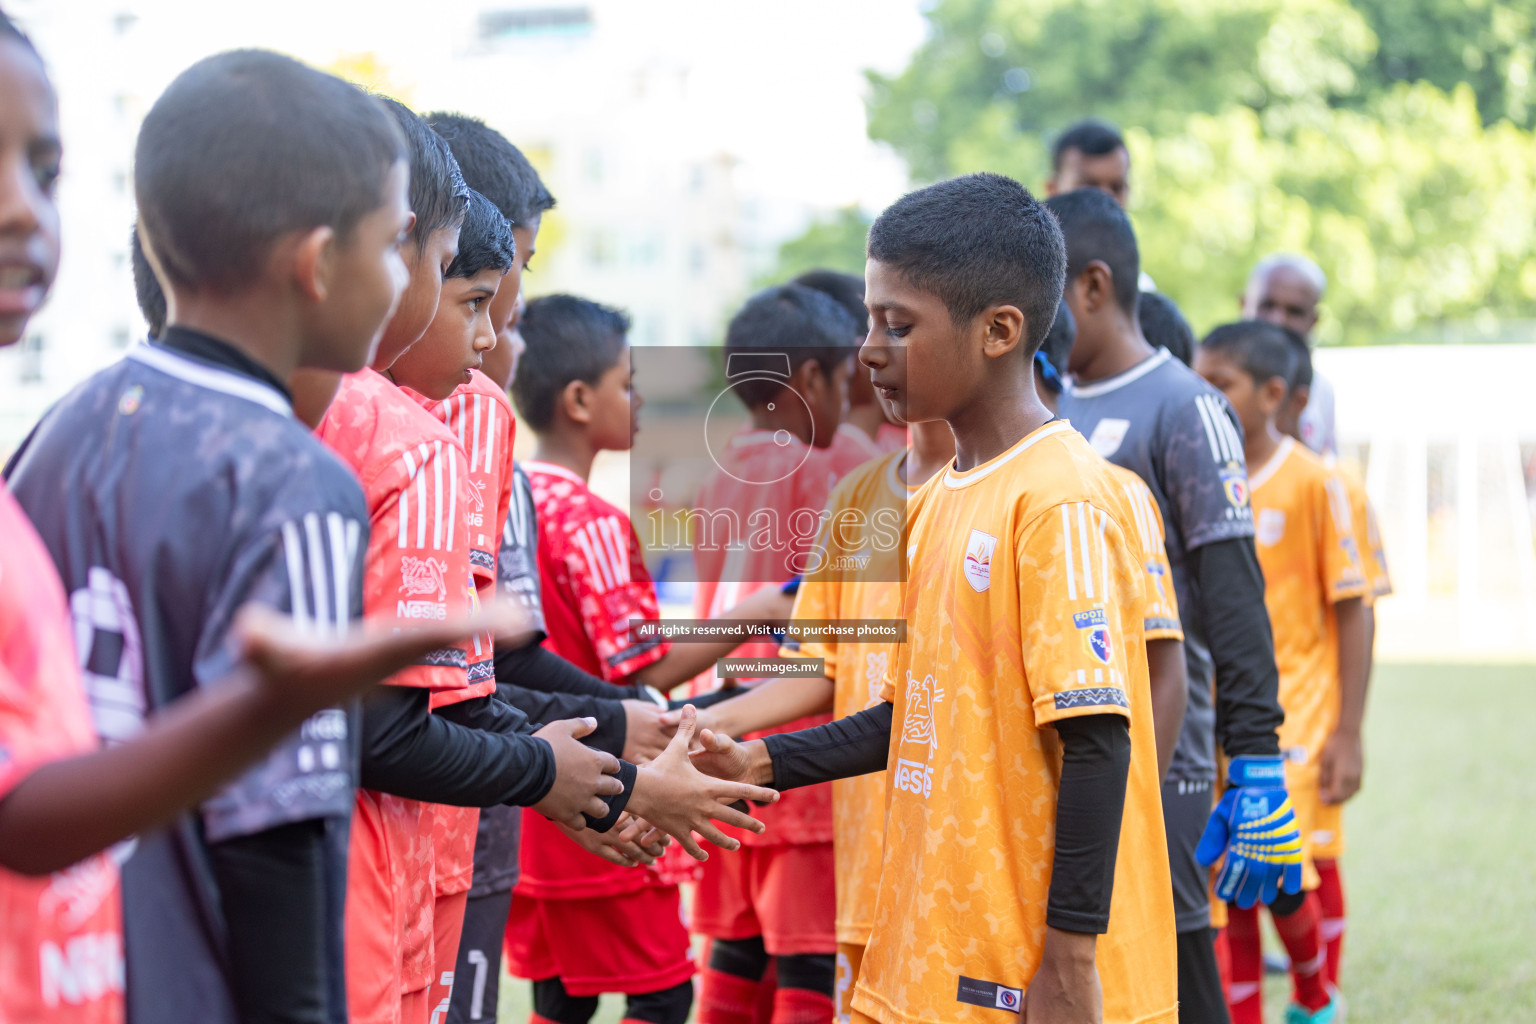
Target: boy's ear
[(1272, 395), (1004, 327), (808, 377), (312, 256), (1097, 286), (576, 401)]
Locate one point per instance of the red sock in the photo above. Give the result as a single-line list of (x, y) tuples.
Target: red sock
[(1245, 996), (1299, 932), (726, 998), (534, 1018), (801, 1006), (765, 993), (1330, 898)]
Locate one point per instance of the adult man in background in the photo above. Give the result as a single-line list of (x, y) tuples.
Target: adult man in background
[(1285, 289)]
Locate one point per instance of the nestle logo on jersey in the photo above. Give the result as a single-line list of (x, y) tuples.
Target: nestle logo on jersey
[(434, 610), (424, 576)]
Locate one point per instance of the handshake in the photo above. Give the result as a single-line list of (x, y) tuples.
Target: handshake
[(669, 796)]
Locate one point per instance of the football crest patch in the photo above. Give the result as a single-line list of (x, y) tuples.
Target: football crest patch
[(1234, 482), (978, 560), (1095, 628)]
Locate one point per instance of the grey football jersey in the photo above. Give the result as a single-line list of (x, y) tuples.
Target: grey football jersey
[(1164, 423), (517, 578), (170, 492)]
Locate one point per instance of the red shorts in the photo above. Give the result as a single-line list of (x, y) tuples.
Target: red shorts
[(631, 943), (785, 893)]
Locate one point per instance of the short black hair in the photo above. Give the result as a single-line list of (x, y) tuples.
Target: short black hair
[(1301, 367), (494, 167), (246, 147), (1164, 326), (1057, 346), (1258, 348), (801, 323), (1089, 137), (10, 30), (151, 296), (438, 192), (976, 241), (568, 338), (485, 240), (847, 290), (1096, 228)]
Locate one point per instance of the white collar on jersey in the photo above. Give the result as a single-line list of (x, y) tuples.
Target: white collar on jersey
[(1261, 476), (956, 481), (174, 364), (1119, 380), (536, 466)]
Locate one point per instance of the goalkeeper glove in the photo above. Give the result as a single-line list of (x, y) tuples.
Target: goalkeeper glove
[(1255, 826)]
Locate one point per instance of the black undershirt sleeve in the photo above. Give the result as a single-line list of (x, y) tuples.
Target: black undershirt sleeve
[(856, 745), (1095, 765), (542, 708), (410, 752), (272, 890), (1230, 586), (535, 667)]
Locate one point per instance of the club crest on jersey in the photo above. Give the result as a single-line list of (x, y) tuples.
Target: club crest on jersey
[(1234, 481), (424, 576), (1270, 528), (978, 560), (1095, 627)]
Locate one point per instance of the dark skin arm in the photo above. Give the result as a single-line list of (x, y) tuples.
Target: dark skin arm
[(775, 702), (1343, 759), (67, 810), (1170, 695), (767, 608)]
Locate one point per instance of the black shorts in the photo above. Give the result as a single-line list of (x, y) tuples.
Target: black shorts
[(1186, 809), (477, 976)]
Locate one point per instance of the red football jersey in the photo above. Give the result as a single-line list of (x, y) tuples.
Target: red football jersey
[(593, 582), (790, 482), (415, 479), (61, 948), (480, 415)]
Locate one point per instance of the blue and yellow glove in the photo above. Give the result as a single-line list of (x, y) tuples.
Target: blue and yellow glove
[(1255, 826)]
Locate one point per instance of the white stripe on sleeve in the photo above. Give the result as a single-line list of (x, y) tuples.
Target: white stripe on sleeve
[(318, 583), (293, 554), (1066, 536)]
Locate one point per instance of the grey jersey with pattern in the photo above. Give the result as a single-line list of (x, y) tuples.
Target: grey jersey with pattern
[(1168, 426), (170, 492), (517, 579)]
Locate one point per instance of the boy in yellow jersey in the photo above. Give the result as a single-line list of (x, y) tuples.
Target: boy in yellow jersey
[(1024, 867), (855, 579), (1328, 842), (1315, 591)]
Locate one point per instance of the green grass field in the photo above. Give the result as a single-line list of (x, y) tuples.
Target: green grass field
[(1440, 872)]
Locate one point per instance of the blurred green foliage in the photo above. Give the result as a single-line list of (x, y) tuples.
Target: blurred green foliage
[(1391, 140)]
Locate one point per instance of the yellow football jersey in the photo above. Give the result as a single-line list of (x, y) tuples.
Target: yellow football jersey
[(1162, 619), (858, 579), (1025, 602), (1373, 556), (1304, 532)]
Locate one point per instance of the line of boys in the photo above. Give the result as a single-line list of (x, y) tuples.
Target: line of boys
[(1002, 336), (270, 267)]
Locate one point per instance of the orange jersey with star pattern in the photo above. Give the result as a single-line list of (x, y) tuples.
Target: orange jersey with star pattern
[(1025, 602), (1304, 532), (860, 578)]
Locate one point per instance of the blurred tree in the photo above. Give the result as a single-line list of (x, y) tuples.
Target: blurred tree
[(835, 242), (1389, 139)]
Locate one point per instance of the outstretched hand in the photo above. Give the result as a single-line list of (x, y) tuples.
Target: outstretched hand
[(628, 844), (679, 800), (582, 775), (304, 670), (718, 755)]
